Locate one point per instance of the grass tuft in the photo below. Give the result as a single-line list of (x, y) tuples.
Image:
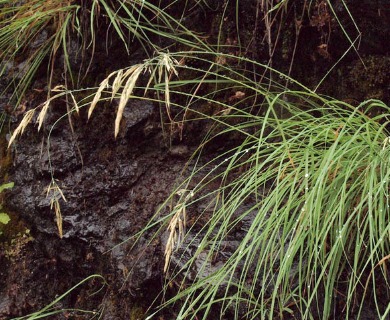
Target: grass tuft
[(308, 178), (305, 180)]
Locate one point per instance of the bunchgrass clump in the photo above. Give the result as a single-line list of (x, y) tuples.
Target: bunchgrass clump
[(311, 173), (25, 31), (317, 184)]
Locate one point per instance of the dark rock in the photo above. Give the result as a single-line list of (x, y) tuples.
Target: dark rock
[(112, 189)]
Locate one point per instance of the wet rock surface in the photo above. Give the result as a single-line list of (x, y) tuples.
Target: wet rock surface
[(112, 189)]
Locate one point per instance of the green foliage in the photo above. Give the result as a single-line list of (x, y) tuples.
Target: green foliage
[(312, 171), (6, 186), (25, 31), (314, 174), (40, 30), (4, 217), (318, 190)]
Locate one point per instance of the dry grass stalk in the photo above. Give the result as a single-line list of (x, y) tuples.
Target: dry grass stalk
[(134, 72), (45, 106), (22, 125), (117, 83), (167, 66), (28, 116), (42, 114), (162, 67), (55, 194), (103, 85), (76, 106), (177, 228)]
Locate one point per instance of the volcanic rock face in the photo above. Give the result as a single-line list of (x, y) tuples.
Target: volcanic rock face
[(112, 189)]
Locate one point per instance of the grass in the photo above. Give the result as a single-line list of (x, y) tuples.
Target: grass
[(308, 176), (24, 31), (311, 174), (39, 31), (52, 310), (316, 180), (315, 189)]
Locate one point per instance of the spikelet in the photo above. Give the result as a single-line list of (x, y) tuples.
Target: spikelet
[(22, 125), (167, 67), (43, 113), (134, 72), (76, 106), (45, 106), (177, 227), (117, 83), (55, 193), (103, 85)]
